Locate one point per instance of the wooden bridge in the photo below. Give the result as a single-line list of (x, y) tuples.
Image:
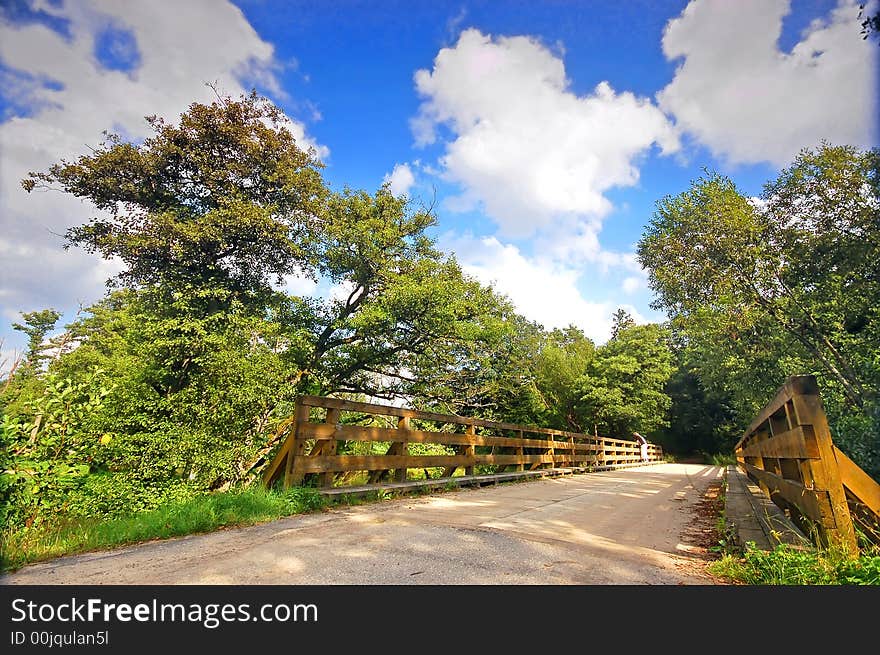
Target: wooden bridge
[(340, 443), (647, 524), (788, 451), (349, 448)]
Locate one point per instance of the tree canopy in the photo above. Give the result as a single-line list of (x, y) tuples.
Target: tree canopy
[(788, 283), (226, 198)]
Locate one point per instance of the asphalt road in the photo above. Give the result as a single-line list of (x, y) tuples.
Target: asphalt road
[(615, 527)]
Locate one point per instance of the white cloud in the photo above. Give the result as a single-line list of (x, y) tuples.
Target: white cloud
[(632, 284), (748, 101), (299, 284), (401, 179), (525, 147), (181, 46), (542, 291)]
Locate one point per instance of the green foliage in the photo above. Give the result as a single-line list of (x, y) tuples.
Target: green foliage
[(225, 198), (50, 447), (700, 419), (36, 326), (788, 565), (722, 459), (622, 390), (560, 362)]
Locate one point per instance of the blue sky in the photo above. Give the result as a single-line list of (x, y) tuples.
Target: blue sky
[(544, 131)]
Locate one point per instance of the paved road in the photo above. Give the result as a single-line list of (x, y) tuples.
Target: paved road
[(613, 527)]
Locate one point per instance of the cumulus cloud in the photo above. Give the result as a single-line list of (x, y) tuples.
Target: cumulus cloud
[(632, 283), (401, 178), (748, 101), (522, 145), (543, 291), (299, 284), (67, 93)]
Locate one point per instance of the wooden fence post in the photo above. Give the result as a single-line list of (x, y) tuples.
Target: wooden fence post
[(825, 474), (328, 447), (471, 450), (403, 448), (520, 452), (293, 474)]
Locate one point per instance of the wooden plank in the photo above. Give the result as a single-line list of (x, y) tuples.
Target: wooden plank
[(380, 462), (361, 433), (323, 463), (803, 385), (826, 473), (799, 443), (808, 501), (275, 466), (857, 482), (386, 410)]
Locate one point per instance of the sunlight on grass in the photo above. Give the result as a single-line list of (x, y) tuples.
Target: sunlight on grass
[(789, 565)]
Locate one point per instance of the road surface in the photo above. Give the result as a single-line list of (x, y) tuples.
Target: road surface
[(631, 526)]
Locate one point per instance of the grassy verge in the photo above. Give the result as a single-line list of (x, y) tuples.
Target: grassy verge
[(789, 565), (200, 514)]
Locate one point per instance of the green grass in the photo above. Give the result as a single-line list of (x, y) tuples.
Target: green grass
[(195, 515), (722, 459), (790, 565)]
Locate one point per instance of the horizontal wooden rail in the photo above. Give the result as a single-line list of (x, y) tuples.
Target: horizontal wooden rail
[(788, 452), (322, 448)]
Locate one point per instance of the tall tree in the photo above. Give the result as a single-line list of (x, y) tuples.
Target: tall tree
[(804, 258), (623, 388), (563, 358), (224, 198), (400, 308), (36, 326)]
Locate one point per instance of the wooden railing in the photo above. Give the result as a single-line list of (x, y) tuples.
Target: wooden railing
[(788, 452), (318, 444)]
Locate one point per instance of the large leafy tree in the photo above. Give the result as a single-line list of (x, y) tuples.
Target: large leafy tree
[(804, 258), (623, 388), (399, 309), (563, 358), (491, 373), (223, 198), (758, 289)]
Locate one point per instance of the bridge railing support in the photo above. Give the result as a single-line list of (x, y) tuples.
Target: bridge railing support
[(318, 445), (788, 452)]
